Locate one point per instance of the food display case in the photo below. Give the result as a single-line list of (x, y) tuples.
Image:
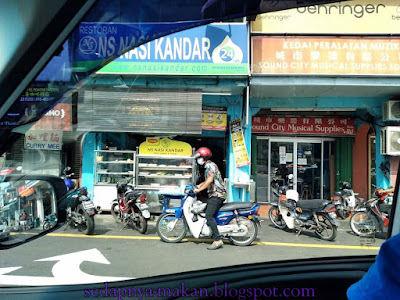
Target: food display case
[(164, 172), (110, 167)]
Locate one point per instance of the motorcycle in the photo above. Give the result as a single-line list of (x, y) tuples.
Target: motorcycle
[(80, 208), (130, 206), (237, 221), (345, 200), (50, 221), (317, 215), (372, 218)]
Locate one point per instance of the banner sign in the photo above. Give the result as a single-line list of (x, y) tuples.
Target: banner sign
[(214, 118), (43, 140), (95, 42), (216, 49), (303, 125), (164, 146), (324, 55), (239, 147), (363, 16), (58, 118)]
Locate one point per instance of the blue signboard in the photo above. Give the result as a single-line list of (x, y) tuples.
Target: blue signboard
[(94, 42), (216, 49)]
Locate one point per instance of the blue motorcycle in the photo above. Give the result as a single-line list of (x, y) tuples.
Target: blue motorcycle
[(237, 221), (80, 208)]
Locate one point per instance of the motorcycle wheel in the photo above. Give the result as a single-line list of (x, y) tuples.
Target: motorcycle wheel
[(361, 217), (88, 227), (276, 217), (329, 231), (251, 233), (342, 213), (141, 225), (171, 233), (46, 226), (115, 212)]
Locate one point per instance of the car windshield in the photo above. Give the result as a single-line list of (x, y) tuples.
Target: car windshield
[(190, 136)]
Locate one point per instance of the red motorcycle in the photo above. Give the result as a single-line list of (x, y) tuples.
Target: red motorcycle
[(372, 218), (130, 206)]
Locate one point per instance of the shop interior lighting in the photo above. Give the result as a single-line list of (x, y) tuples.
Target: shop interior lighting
[(310, 109), (217, 94)]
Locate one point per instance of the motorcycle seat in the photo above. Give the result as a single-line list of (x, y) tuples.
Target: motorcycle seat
[(236, 205), (132, 194), (312, 204)]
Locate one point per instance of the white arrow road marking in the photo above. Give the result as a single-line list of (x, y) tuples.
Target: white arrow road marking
[(65, 271)]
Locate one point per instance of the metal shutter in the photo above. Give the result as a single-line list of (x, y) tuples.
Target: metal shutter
[(148, 111)]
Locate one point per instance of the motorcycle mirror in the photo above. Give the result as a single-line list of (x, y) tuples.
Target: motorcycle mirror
[(35, 208)]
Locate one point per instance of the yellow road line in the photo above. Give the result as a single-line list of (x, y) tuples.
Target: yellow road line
[(317, 246), (209, 240)]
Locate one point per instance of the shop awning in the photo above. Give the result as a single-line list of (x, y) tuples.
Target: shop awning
[(319, 87)]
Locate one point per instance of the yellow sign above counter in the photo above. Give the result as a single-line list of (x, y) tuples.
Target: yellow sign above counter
[(164, 146)]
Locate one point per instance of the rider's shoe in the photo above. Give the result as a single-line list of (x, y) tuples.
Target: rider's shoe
[(215, 245)]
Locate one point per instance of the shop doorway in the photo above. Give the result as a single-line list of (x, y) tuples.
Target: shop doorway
[(310, 160)]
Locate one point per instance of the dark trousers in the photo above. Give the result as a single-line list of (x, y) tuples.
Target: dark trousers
[(213, 206)]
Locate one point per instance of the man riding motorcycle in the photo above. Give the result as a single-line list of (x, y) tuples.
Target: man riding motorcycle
[(216, 192)]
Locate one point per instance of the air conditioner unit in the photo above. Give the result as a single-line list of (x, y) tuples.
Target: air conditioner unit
[(390, 140), (391, 111)]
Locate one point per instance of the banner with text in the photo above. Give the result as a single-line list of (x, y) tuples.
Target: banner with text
[(365, 17), (216, 49), (303, 125), (44, 140), (164, 146), (323, 55), (57, 118), (214, 118), (238, 144)]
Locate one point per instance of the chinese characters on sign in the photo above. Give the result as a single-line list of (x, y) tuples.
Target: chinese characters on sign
[(321, 55), (44, 140), (301, 125), (239, 147), (214, 118)]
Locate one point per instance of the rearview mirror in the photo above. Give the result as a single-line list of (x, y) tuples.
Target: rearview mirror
[(30, 206)]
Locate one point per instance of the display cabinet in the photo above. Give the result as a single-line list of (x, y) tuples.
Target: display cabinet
[(110, 167), (161, 172)]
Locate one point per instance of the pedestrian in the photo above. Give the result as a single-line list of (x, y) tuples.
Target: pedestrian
[(216, 192)]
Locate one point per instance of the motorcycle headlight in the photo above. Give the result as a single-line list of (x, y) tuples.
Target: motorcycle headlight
[(332, 215)]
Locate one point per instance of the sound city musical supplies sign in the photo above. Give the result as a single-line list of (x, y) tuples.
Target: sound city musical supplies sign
[(326, 56), (363, 16), (238, 144), (216, 49), (302, 125)]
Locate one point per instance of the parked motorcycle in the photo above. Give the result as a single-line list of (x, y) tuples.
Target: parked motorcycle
[(80, 208), (345, 200), (50, 221), (318, 215), (237, 221), (372, 218), (130, 206)]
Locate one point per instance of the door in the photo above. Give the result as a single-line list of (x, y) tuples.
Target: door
[(280, 166), (309, 170), (300, 157)]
